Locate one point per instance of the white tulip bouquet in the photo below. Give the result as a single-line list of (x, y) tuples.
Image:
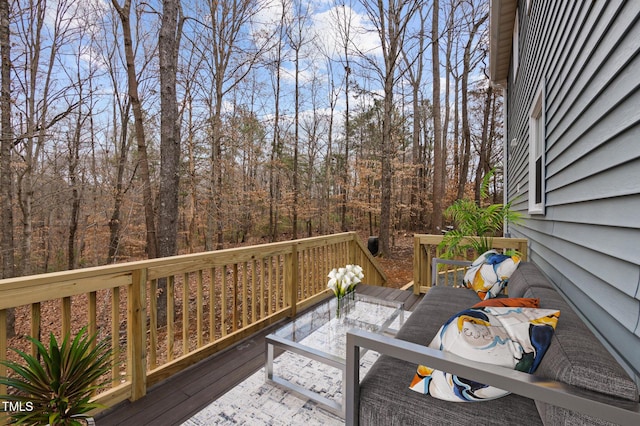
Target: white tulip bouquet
[(344, 280)]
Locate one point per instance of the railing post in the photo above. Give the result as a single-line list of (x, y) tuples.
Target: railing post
[(416, 265), (353, 247), (136, 330), (291, 279), (523, 249), (421, 265)]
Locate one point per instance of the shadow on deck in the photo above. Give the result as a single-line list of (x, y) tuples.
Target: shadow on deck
[(181, 396)]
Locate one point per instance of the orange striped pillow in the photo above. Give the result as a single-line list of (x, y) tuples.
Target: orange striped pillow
[(510, 302)]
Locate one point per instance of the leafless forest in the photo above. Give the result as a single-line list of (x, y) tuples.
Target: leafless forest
[(138, 128)]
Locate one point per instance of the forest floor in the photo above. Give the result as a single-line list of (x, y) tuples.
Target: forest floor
[(398, 266)]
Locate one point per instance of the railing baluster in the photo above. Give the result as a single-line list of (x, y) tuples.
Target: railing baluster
[(66, 316), (36, 324), (185, 313), (245, 301), (254, 296), (223, 305), (318, 274), (115, 333), (270, 294), (263, 312), (325, 263), (92, 313), (279, 292), (212, 305), (171, 297), (153, 324), (234, 303), (302, 276), (199, 310)]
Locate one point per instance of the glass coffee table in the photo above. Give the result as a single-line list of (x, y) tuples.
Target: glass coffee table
[(320, 335)]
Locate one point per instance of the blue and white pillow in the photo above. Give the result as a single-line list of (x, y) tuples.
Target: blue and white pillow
[(512, 337), (489, 273)]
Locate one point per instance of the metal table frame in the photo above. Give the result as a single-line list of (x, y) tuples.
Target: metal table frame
[(273, 341)]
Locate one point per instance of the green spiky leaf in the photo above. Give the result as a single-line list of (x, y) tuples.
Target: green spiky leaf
[(473, 220), (60, 380)]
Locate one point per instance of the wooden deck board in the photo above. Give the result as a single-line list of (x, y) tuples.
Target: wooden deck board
[(178, 398)]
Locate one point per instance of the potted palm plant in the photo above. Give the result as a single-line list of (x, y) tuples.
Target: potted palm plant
[(480, 223), (55, 386)]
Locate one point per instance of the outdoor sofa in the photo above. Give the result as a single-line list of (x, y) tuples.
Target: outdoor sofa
[(576, 372)]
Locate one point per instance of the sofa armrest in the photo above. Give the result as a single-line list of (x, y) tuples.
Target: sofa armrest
[(527, 385), (434, 267)]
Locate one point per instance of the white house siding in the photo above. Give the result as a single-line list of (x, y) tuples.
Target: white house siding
[(587, 56)]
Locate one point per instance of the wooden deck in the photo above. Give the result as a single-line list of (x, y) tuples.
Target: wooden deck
[(181, 396)]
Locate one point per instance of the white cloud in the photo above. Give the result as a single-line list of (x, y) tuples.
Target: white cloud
[(330, 25)]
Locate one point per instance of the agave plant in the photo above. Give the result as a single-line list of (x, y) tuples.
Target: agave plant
[(479, 223), (56, 386)]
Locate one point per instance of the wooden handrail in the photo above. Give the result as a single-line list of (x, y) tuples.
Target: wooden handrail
[(215, 299), (425, 248)]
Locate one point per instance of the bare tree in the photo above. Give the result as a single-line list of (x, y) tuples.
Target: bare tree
[(477, 18), (73, 160), (344, 25), (391, 21), (486, 139), (298, 38), (40, 95), (124, 12), (191, 66), (120, 134), (229, 61), (438, 144), (415, 71), (275, 64)]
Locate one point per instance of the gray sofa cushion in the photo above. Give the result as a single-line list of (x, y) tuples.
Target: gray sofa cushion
[(527, 275), (438, 305), (389, 378), (576, 356)]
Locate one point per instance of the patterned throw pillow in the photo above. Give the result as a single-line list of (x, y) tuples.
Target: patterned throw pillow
[(512, 302), (489, 273), (509, 337)]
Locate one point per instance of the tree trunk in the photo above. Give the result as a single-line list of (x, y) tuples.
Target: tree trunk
[(392, 24), (347, 134), (415, 78), (143, 161), (6, 180), (74, 159), (483, 160), (466, 130), (438, 154), (6, 145), (169, 42), (274, 190), (119, 190)]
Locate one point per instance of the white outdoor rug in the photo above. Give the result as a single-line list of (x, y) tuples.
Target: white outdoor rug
[(254, 402)]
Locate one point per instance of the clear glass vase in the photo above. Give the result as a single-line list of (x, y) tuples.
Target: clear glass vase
[(340, 305)]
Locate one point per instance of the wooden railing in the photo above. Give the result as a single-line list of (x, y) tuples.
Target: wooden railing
[(425, 249), (214, 299)]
